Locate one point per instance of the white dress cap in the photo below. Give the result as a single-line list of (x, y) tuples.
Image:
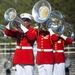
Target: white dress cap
[(26, 15)]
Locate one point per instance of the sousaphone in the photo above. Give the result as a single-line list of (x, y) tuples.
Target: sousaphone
[(57, 23)]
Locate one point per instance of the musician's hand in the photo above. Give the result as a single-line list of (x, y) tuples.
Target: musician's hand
[(24, 28), (63, 36), (51, 32), (8, 25)]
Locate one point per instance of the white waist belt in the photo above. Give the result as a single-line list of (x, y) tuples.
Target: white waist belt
[(23, 47), (59, 51), (45, 50)]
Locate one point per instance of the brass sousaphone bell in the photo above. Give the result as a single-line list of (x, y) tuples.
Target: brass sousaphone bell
[(41, 11), (11, 16)]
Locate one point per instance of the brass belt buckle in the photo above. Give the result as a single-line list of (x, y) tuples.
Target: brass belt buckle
[(42, 50), (20, 47), (56, 51)]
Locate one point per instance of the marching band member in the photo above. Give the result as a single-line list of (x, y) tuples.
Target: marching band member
[(44, 57), (59, 56), (23, 58)]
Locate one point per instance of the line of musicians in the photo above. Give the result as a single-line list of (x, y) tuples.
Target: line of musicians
[(50, 57)]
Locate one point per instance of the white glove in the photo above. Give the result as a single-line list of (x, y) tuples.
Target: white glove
[(36, 27), (51, 32), (8, 26), (24, 28), (63, 36)]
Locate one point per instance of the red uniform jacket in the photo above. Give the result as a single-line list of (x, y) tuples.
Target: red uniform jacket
[(45, 48), (59, 49), (24, 52)]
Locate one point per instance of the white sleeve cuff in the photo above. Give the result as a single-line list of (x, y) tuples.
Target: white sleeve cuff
[(51, 32), (62, 36), (8, 26), (24, 28)]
